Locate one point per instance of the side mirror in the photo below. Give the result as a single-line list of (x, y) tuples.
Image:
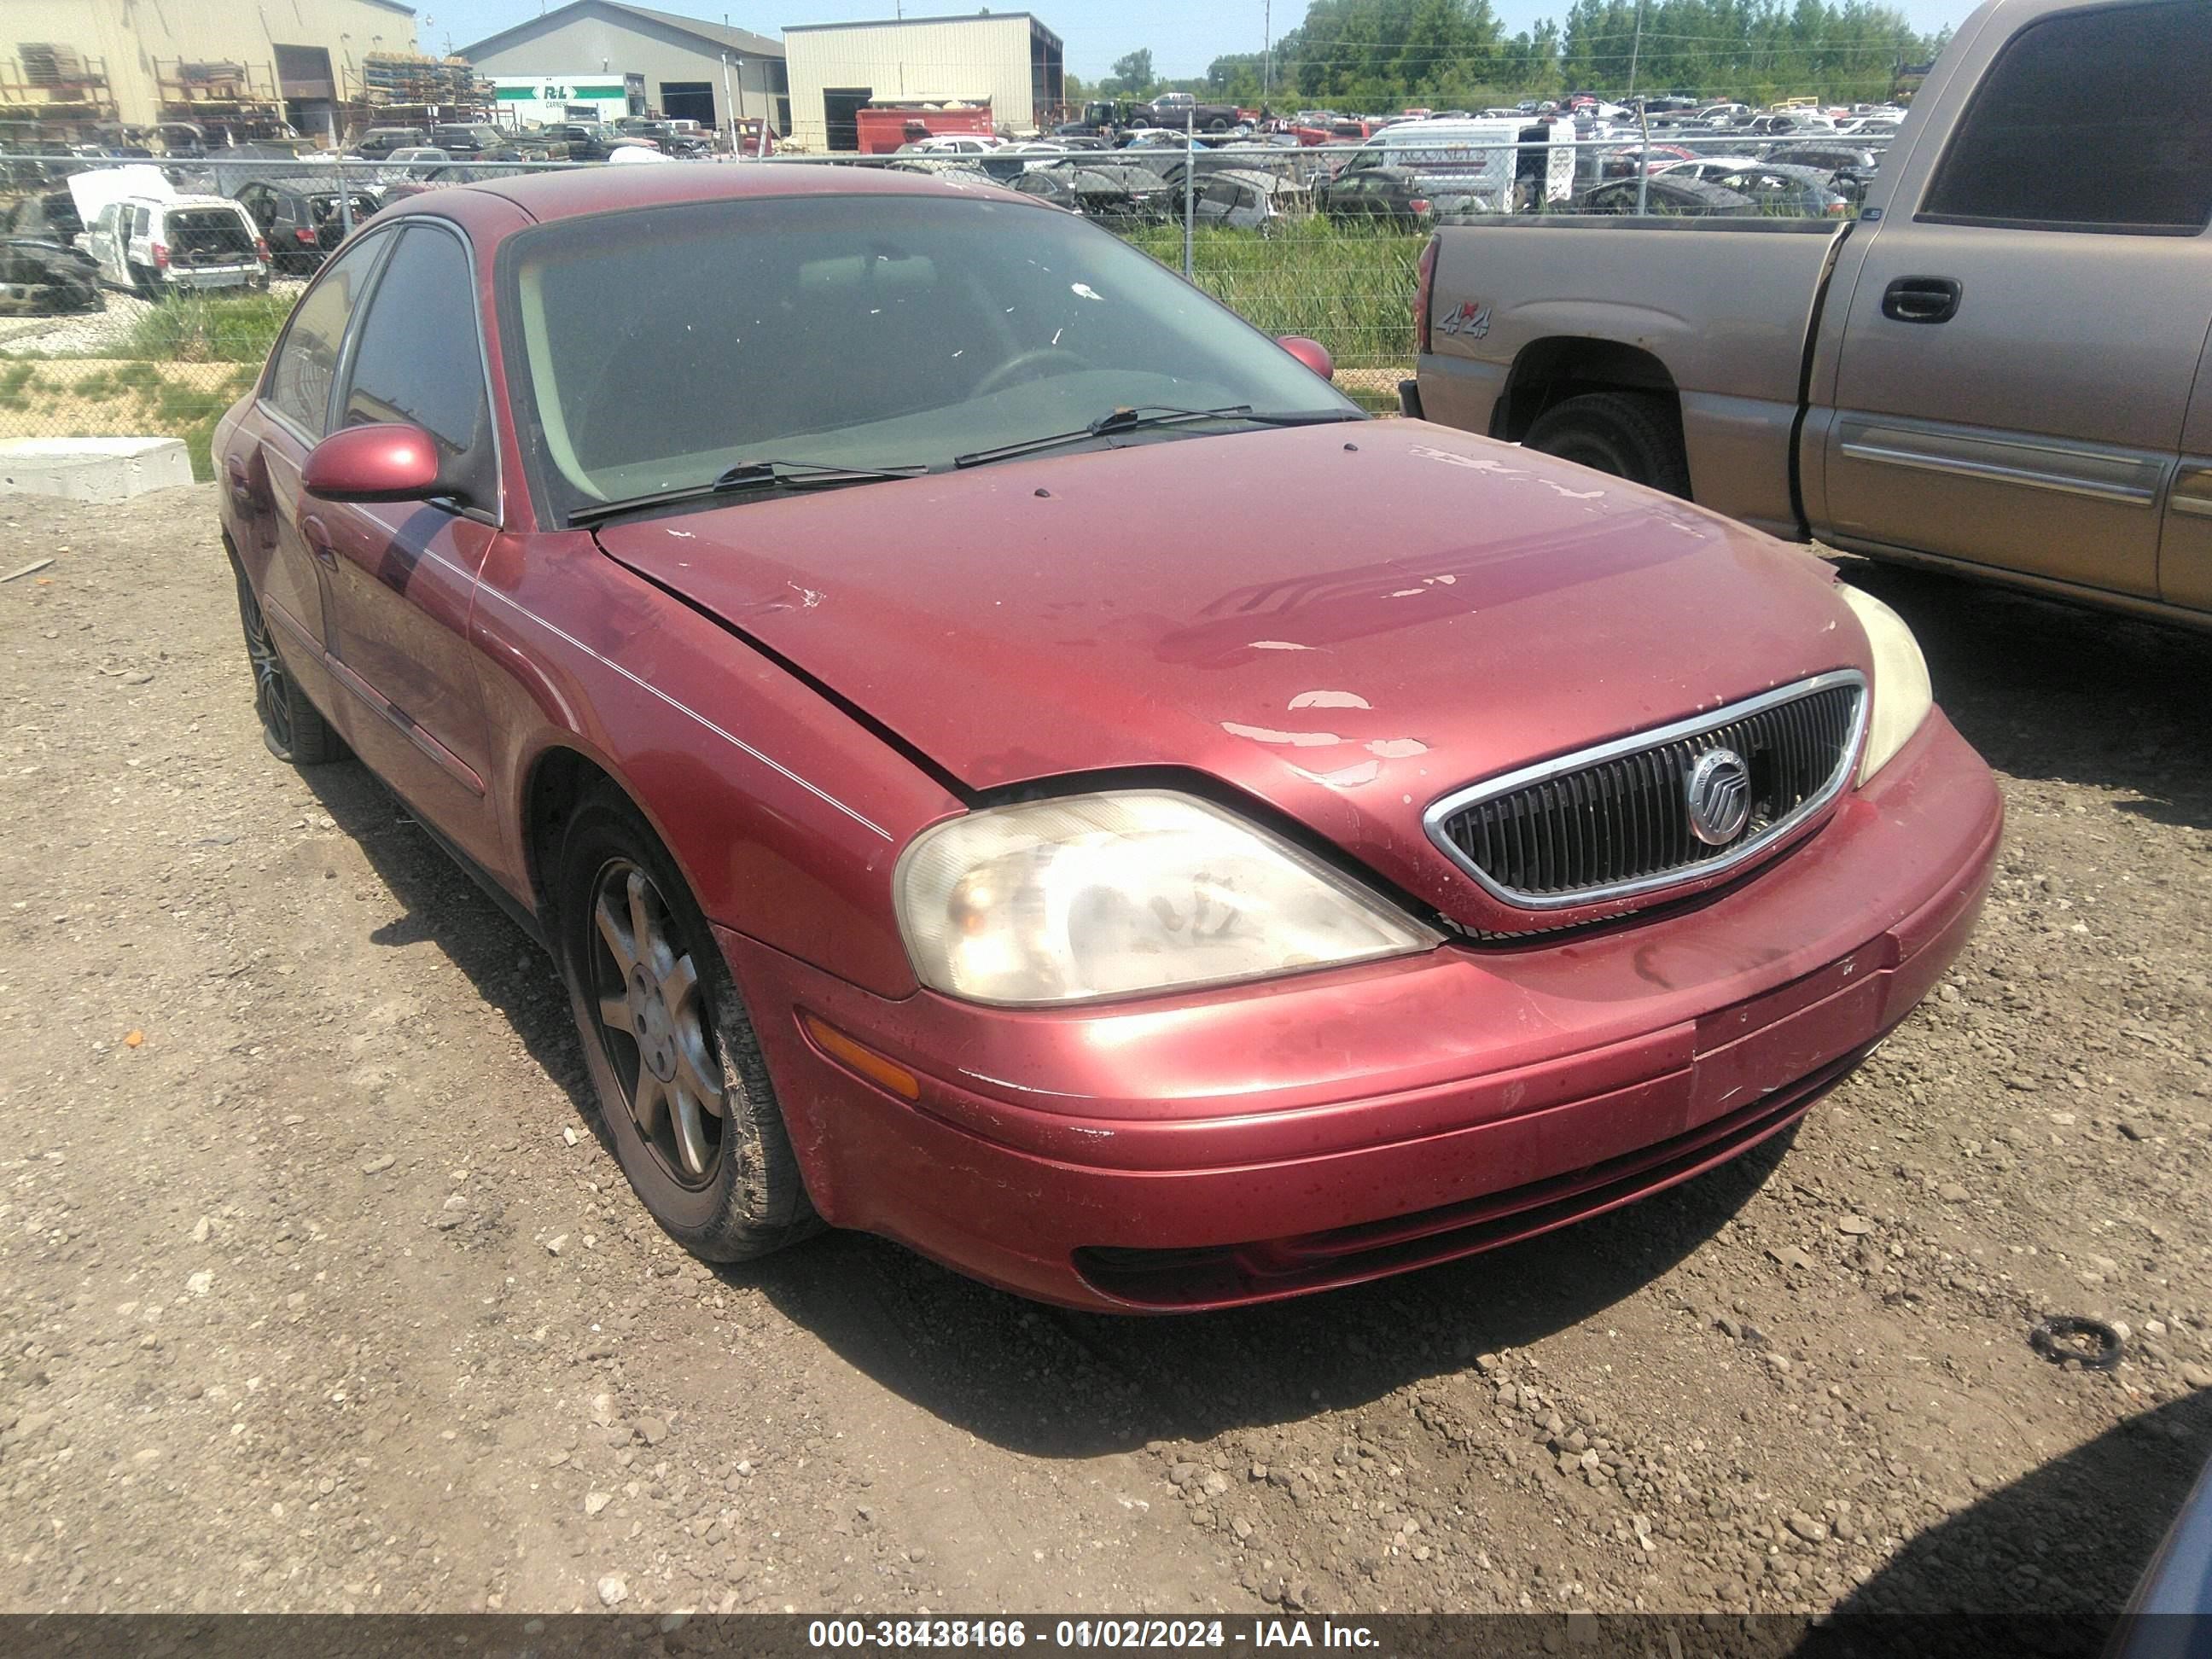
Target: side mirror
[(388, 461), (1312, 353)]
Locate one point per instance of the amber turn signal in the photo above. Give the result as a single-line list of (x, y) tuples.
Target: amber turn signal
[(866, 1062)]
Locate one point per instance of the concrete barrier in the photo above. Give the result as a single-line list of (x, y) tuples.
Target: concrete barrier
[(92, 469)]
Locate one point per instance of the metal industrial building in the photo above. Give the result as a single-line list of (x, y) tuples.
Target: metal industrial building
[(80, 62), (693, 70), (1008, 60)]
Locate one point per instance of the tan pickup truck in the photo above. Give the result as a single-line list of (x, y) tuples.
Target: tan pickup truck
[(2001, 367)]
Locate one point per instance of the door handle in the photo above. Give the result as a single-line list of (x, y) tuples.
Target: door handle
[(317, 535), (242, 492), (1922, 300)]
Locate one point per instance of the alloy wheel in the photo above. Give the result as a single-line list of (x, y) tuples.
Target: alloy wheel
[(272, 691), (654, 1021)]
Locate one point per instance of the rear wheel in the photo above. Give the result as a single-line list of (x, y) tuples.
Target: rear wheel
[(1631, 435), (682, 1089), (291, 726)]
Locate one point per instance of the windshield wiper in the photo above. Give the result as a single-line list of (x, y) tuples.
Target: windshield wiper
[(744, 477), (1138, 417)]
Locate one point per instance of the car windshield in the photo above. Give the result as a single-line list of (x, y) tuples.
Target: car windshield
[(664, 345)]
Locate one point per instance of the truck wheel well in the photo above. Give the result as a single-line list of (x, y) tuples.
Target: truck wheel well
[(1552, 371)]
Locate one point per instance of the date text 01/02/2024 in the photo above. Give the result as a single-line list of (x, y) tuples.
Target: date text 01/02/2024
[(1082, 1633)]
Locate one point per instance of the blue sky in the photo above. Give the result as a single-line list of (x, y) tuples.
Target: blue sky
[(1185, 35)]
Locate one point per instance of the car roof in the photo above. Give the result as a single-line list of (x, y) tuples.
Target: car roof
[(583, 191)]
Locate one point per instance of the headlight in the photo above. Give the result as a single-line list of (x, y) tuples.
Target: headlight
[(1102, 896), (1901, 695)]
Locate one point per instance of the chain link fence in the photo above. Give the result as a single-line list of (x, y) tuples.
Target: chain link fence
[(133, 303)]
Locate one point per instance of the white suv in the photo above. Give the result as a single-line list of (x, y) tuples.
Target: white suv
[(152, 244)]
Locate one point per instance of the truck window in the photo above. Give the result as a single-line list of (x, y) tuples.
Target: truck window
[(2089, 121)]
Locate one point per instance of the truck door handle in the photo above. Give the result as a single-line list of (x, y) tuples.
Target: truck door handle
[(317, 535), (1921, 300)]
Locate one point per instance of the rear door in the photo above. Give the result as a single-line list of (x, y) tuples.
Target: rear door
[(2185, 554), (136, 235), (2024, 330), (404, 573)]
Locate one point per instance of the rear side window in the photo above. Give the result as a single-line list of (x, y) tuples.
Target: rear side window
[(2090, 121), (419, 359), (306, 358)]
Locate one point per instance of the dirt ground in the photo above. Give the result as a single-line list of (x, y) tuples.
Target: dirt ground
[(318, 1290)]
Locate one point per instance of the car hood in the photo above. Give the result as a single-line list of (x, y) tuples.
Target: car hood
[(1343, 620)]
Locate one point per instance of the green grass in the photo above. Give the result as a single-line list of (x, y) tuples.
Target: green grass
[(205, 328), (1349, 286)]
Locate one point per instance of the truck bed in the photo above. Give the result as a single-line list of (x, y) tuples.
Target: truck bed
[(1717, 309)]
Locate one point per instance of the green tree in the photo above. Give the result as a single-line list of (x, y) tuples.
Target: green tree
[(1133, 75), (1375, 55)]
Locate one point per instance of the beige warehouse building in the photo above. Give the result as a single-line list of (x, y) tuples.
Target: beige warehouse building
[(136, 62), (1007, 59)]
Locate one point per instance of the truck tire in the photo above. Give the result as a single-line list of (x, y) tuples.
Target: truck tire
[(1631, 435)]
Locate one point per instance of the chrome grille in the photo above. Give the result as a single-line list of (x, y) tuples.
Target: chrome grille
[(1613, 821)]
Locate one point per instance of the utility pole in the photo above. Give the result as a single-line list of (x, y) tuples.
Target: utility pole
[(1189, 182), (730, 111), (1642, 121), (1268, 53)]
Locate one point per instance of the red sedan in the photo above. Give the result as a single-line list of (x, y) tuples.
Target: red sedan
[(1005, 756)]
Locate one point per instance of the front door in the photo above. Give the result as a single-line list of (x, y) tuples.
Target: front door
[(404, 574), (291, 414), (2018, 355)]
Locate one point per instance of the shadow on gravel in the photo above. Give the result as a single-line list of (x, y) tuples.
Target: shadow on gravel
[(2060, 1539), (444, 906), (1054, 1383), (1040, 1380), (2062, 692)]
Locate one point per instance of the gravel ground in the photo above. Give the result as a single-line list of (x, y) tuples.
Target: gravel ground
[(318, 1290)]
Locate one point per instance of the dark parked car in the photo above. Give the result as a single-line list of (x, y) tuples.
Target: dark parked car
[(1665, 196), (379, 141), (1777, 188), (943, 829), (473, 141), (1850, 168), (1116, 188), (1095, 193), (48, 214), (301, 224), (1398, 194), (40, 277), (575, 140)]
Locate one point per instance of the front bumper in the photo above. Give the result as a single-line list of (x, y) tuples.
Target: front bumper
[(1261, 1141)]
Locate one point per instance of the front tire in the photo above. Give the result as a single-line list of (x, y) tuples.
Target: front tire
[(292, 729), (682, 1089), (1633, 435)]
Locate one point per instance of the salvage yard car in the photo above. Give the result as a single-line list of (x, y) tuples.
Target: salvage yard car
[(299, 223), (944, 830), (1999, 368), (154, 245)]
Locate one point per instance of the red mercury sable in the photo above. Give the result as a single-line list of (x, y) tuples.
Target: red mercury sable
[(1006, 758)]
